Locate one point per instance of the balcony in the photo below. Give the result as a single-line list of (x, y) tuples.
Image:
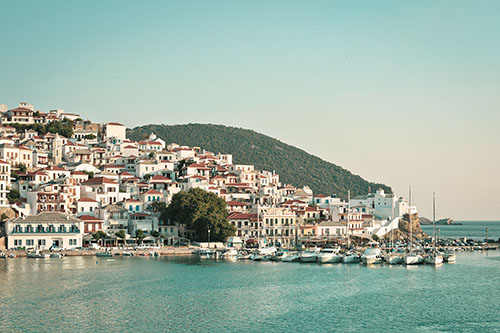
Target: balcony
[(45, 231)]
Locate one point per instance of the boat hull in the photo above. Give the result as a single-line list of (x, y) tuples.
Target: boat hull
[(308, 258), (329, 259), (351, 259), (414, 260), (393, 259)]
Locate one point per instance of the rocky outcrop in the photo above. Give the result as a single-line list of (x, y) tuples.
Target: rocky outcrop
[(446, 221), (403, 231)]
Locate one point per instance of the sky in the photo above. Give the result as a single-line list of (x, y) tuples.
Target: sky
[(406, 93)]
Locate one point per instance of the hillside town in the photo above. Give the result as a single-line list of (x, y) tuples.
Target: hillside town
[(58, 191)]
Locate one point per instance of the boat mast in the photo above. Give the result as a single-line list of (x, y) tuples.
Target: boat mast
[(348, 211), (258, 223), (409, 216), (434, 220)]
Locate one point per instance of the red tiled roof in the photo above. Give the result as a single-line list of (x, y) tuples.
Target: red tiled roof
[(99, 181), (153, 192), (115, 124), (86, 200), (89, 218), (242, 216), (235, 203)]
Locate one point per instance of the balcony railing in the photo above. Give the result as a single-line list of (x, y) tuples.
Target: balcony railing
[(45, 231)]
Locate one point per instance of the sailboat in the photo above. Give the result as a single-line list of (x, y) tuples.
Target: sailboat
[(393, 257), (412, 257), (434, 257), (350, 256)]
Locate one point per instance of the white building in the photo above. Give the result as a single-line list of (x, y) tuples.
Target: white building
[(44, 230)]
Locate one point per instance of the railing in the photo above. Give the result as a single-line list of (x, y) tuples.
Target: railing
[(35, 231)]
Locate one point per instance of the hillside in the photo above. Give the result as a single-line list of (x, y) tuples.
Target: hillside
[(294, 165)]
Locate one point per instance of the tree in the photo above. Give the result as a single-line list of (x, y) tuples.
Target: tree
[(375, 238), (200, 211), (13, 195), (99, 236), (121, 234), (90, 136), (22, 168), (155, 234), (139, 234), (160, 207)]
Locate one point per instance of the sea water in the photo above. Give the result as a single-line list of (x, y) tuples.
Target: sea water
[(469, 229), (133, 294)]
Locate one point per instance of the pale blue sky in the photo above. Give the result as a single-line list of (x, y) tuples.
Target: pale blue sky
[(401, 92)]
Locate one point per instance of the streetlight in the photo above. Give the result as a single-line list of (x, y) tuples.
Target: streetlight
[(208, 237)]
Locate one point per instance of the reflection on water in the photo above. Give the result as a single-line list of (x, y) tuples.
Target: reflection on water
[(190, 293)]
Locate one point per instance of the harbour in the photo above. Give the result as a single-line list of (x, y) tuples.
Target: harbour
[(190, 293)]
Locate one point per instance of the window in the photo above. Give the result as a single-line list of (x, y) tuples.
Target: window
[(30, 242), (18, 242)]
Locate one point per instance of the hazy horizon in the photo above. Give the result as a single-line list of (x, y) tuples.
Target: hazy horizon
[(401, 93)]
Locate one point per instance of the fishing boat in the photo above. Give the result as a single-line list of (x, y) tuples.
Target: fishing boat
[(127, 254), (206, 253), (434, 257), (56, 255), (309, 256), (329, 256), (372, 255), (37, 255), (351, 257), (106, 254), (3, 255), (11, 255)]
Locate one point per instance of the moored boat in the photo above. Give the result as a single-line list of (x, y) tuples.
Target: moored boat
[(372, 255), (329, 256), (106, 254), (291, 257), (351, 257), (449, 256), (309, 256)]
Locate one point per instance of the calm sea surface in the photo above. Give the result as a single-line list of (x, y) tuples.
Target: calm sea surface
[(134, 294), (470, 229)]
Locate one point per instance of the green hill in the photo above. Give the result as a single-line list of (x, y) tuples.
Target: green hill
[(294, 165)]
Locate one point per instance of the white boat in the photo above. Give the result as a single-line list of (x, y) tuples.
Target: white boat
[(393, 258), (291, 257), (434, 258), (351, 257), (413, 258), (449, 256), (256, 257), (372, 254), (56, 255), (205, 252), (329, 256), (243, 256), (37, 255), (106, 254), (127, 254), (2, 255), (11, 255), (266, 250), (279, 256), (229, 253), (309, 256)]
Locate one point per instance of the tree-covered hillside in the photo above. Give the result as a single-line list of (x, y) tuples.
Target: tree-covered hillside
[(294, 165)]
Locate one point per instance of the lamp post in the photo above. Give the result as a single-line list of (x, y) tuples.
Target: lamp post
[(208, 237)]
